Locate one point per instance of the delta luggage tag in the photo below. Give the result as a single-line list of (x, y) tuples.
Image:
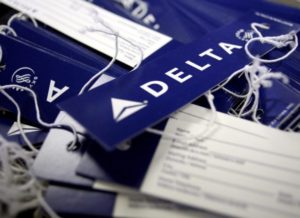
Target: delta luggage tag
[(51, 78), (127, 106)]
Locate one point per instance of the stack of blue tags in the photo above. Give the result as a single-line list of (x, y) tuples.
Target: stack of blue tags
[(147, 108)]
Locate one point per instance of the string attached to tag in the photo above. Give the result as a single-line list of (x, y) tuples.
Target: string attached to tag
[(110, 31), (256, 74)]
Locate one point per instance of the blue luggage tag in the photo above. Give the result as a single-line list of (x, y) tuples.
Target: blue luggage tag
[(125, 107), (53, 79), (60, 44)]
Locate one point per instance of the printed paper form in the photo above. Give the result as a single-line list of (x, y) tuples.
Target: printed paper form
[(243, 169), (72, 17)]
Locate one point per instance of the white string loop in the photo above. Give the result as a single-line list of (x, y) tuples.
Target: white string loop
[(280, 41)]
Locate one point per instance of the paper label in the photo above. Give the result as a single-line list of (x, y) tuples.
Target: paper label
[(242, 169), (73, 17)]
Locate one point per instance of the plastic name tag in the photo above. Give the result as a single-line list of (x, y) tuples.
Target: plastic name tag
[(125, 107)]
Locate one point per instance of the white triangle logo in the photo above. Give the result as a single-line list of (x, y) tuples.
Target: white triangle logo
[(14, 130), (124, 108)]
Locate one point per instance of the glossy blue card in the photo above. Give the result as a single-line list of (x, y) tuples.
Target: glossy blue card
[(51, 77), (125, 107)]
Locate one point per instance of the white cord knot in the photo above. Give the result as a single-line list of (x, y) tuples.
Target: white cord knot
[(282, 40)]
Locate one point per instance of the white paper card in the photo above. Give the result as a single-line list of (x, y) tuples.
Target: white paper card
[(242, 169), (72, 17)]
